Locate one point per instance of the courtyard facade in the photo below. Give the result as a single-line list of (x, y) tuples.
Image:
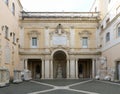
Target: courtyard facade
[(57, 45)]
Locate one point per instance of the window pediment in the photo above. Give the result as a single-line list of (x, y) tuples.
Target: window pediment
[(33, 34)]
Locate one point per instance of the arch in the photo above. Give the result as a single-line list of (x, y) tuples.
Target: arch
[(59, 50), (59, 64)]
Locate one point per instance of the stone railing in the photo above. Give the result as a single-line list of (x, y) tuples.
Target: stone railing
[(4, 76), (59, 14)]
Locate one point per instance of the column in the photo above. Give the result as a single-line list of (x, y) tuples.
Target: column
[(93, 68), (26, 65), (68, 69), (72, 68), (47, 69), (76, 68), (43, 69), (21, 64), (51, 71)]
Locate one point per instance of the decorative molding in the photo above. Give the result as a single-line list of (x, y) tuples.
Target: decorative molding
[(85, 32), (33, 34)]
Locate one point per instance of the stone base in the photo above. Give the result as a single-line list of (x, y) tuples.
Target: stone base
[(4, 84), (17, 81)]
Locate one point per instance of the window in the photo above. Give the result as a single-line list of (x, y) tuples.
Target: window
[(34, 42), (7, 2), (6, 32), (108, 37), (85, 42), (119, 31), (13, 8), (13, 37)]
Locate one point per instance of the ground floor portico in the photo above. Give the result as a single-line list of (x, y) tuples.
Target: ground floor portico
[(59, 65)]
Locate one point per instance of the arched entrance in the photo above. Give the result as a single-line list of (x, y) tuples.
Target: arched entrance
[(59, 64)]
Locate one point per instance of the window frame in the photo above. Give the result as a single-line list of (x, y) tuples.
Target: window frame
[(84, 42), (34, 42)]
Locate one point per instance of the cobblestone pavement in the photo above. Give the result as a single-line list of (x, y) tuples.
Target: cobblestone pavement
[(62, 86)]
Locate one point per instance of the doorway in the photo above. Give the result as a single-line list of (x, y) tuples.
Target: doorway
[(84, 68), (35, 66), (59, 64), (118, 70)]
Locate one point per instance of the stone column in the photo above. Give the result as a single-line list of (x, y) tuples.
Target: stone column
[(72, 68), (93, 68), (26, 65), (76, 68), (68, 69), (47, 69), (51, 71), (27, 73), (43, 69)]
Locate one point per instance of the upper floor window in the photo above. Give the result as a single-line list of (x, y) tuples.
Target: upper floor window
[(14, 38), (6, 32), (108, 37), (119, 31), (13, 8), (85, 42), (34, 42), (7, 2)]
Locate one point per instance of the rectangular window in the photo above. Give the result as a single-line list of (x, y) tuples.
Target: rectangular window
[(85, 42), (14, 38), (6, 32), (34, 42)]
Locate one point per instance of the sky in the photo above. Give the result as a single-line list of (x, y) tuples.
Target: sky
[(57, 5)]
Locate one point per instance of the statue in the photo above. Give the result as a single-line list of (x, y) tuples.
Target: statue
[(59, 71)]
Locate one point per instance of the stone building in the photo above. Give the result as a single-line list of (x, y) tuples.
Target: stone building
[(108, 37), (68, 45)]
